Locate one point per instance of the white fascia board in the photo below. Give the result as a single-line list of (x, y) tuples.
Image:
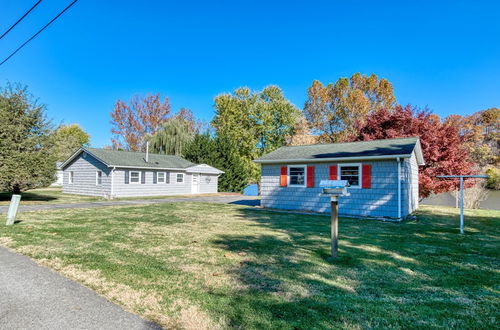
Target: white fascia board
[(201, 169), (79, 151), (328, 160), (73, 156), (418, 153)]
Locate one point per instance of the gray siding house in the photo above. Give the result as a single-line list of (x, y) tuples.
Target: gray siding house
[(383, 177), (111, 173)]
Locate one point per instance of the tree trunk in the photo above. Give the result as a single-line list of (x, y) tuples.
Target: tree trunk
[(16, 190)]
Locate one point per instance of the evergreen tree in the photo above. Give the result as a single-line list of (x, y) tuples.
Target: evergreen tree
[(27, 158), (222, 153)]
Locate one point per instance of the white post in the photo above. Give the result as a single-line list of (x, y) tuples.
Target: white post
[(461, 205), (399, 188), (11, 215), (147, 151)]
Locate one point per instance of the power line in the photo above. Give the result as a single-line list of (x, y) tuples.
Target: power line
[(39, 31), (19, 20)]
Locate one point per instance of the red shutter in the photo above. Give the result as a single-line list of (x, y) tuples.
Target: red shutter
[(333, 172), (284, 176), (310, 176), (366, 173)]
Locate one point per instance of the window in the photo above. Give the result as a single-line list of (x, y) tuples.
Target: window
[(71, 177), (351, 173), (297, 175), (160, 177), (135, 177), (180, 178), (98, 177)]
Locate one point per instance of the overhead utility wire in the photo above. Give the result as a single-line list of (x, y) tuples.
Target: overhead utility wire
[(19, 20), (33, 37)]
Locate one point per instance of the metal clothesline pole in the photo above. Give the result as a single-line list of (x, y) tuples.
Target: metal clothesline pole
[(461, 177)]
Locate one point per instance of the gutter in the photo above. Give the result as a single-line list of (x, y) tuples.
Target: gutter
[(399, 188), (112, 181), (186, 169), (150, 168), (327, 160)]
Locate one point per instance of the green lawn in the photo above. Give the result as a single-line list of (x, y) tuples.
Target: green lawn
[(201, 266)]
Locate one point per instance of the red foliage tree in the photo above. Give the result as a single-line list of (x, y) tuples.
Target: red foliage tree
[(133, 121), (442, 145)]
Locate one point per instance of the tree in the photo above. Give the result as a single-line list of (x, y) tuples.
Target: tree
[(256, 122), (27, 159), (493, 181), (67, 139), (222, 153), (442, 145), (333, 110), (201, 149), (301, 134), (481, 133), (133, 122), (173, 137)]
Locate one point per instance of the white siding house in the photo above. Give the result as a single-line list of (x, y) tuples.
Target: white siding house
[(110, 173), (383, 177)]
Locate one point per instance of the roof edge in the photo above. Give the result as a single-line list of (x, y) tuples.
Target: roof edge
[(326, 160), (195, 165), (76, 153), (419, 153)]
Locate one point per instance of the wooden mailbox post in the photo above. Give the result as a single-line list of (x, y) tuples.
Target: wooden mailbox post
[(334, 189)]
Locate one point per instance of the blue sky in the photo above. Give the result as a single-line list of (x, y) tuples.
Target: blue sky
[(440, 54)]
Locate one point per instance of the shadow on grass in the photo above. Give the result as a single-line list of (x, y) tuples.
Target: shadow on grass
[(29, 196), (387, 274)]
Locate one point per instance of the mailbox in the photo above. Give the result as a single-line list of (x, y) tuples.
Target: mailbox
[(334, 188)]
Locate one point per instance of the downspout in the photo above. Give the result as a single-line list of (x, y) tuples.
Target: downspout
[(399, 188), (112, 182)]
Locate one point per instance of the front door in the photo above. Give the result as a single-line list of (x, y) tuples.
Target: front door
[(196, 183)]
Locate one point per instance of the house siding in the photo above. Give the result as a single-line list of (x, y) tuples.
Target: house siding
[(208, 183), (380, 200), (84, 168), (121, 189)]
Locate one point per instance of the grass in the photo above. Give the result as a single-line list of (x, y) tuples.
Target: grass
[(201, 266)]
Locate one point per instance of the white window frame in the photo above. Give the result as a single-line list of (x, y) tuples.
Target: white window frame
[(305, 176), (71, 177), (97, 178), (130, 177), (158, 177), (339, 171), (183, 178)]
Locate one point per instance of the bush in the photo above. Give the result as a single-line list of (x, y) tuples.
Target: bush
[(493, 181), (475, 195)]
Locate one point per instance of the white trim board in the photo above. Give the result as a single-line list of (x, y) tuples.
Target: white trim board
[(328, 160)]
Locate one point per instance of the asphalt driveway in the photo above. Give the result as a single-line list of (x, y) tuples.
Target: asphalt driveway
[(34, 297), (221, 199)]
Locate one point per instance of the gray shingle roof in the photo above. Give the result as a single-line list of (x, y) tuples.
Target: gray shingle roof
[(136, 159), (317, 152)]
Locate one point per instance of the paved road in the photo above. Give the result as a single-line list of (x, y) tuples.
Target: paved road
[(224, 199), (33, 297)]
